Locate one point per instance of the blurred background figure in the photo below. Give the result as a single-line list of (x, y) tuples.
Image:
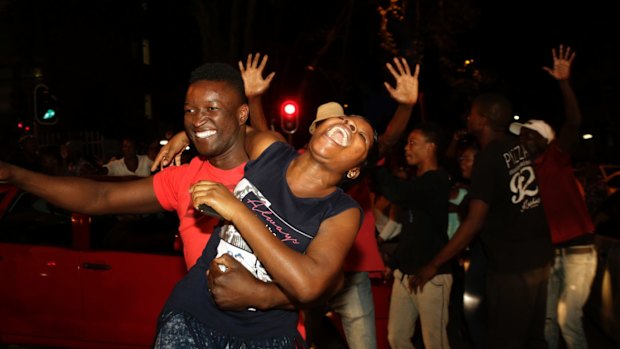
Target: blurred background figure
[(388, 214), (51, 160), (475, 262), (131, 164), (27, 154), (75, 163), (153, 149)]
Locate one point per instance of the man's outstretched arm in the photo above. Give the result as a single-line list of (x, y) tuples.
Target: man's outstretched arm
[(85, 195)]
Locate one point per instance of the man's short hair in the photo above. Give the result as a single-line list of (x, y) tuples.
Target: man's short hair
[(220, 72), (496, 108), (435, 134)]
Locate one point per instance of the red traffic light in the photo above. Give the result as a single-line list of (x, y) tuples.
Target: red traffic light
[(289, 109), (289, 116)]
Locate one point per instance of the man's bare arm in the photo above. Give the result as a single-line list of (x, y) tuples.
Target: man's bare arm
[(562, 62), (462, 237), (255, 86), (85, 195), (405, 93)]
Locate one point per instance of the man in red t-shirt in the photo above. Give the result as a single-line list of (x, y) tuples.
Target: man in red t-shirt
[(566, 211)]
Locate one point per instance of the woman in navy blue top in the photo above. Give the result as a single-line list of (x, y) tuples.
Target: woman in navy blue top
[(285, 234)]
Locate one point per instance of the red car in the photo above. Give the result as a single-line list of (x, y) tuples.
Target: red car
[(77, 281)]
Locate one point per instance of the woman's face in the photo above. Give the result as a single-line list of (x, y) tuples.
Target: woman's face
[(466, 162), (344, 141)]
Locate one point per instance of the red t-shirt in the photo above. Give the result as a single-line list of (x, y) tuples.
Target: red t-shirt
[(171, 187), (364, 254), (563, 201)]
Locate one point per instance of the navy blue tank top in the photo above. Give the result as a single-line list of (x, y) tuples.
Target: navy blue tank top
[(295, 221)]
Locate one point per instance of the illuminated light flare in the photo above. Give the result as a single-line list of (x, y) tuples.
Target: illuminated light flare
[(289, 109)]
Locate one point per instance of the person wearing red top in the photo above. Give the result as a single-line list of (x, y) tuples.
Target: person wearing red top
[(172, 189), (220, 144), (566, 211)]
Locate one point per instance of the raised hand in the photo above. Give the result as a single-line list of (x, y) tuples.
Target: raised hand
[(171, 151), (562, 60), (406, 90), (252, 73)]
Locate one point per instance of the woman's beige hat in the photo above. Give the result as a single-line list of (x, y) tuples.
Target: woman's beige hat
[(326, 111)]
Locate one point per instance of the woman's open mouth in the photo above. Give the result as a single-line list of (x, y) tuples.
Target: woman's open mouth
[(340, 134)]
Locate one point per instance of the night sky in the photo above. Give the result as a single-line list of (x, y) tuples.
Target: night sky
[(90, 54)]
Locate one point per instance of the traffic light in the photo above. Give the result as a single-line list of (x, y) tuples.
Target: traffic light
[(289, 116), (45, 109)]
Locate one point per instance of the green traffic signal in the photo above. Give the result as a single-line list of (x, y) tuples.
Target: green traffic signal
[(44, 105), (49, 114)]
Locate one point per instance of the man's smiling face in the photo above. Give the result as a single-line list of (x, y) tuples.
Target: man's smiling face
[(213, 117)]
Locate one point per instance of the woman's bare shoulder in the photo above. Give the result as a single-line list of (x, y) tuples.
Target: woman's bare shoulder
[(257, 141)]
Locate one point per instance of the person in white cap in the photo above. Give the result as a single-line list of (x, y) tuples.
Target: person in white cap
[(566, 211)]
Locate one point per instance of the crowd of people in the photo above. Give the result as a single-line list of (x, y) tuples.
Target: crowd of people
[(292, 234), (72, 158)]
